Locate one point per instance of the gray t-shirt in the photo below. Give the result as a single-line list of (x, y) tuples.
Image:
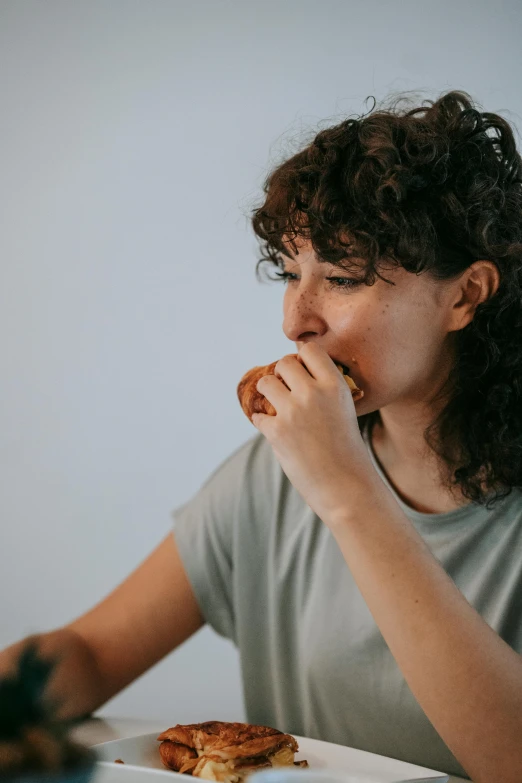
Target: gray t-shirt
[(268, 574)]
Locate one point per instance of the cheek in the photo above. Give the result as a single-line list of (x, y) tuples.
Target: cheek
[(387, 349), (366, 331), (393, 345), (398, 358)]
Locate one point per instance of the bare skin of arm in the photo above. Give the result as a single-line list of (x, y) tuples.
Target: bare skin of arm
[(465, 677), (147, 616)]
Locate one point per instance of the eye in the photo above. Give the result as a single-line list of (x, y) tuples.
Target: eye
[(286, 277), (343, 282), (335, 282)]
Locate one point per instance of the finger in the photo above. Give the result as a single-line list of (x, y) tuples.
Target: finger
[(317, 361), (273, 389), (260, 421), (292, 371)]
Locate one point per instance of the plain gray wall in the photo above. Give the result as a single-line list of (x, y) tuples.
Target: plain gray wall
[(135, 137)]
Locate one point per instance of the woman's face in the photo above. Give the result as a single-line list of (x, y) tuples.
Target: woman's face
[(397, 341)]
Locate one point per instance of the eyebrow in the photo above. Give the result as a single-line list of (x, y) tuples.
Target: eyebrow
[(356, 268)]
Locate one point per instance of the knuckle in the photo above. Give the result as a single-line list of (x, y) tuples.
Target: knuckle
[(332, 386), (311, 393)]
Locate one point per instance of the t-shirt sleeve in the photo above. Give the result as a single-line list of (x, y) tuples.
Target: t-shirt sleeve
[(203, 530)]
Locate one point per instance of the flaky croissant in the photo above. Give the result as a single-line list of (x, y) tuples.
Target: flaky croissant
[(252, 401), (217, 750)]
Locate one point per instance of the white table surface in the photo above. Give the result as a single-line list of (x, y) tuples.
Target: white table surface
[(104, 729)]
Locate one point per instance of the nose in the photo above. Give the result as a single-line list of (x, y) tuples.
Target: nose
[(302, 316)]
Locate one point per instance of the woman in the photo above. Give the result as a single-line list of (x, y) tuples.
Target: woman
[(364, 557)]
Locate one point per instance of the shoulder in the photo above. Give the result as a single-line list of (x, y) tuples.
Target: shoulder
[(250, 463), (248, 478)]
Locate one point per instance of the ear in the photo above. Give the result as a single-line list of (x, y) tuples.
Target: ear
[(476, 285)]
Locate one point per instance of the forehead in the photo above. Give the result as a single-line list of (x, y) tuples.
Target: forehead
[(305, 252)]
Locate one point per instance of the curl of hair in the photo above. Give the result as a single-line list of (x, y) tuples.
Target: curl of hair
[(432, 189)]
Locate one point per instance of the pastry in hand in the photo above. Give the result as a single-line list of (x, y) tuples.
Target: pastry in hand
[(252, 401), (226, 752)]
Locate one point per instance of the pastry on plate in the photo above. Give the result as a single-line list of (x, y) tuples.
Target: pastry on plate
[(226, 752)]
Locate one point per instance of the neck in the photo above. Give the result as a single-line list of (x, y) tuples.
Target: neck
[(403, 438), (413, 469)]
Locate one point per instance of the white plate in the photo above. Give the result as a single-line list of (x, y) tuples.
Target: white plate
[(141, 753)]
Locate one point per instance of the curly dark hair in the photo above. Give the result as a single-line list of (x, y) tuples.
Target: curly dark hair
[(432, 188)]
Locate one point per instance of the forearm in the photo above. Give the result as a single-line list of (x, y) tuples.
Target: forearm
[(465, 677), (76, 683)]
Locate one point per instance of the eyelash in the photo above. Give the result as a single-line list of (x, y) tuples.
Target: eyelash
[(346, 282)]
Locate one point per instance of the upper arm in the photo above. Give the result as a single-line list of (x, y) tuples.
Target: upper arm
[(149, 614)]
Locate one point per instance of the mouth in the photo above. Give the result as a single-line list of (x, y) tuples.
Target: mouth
[(357, 393), (344, 367)]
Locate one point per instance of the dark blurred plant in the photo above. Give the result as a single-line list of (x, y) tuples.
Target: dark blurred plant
[(31, 736)]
